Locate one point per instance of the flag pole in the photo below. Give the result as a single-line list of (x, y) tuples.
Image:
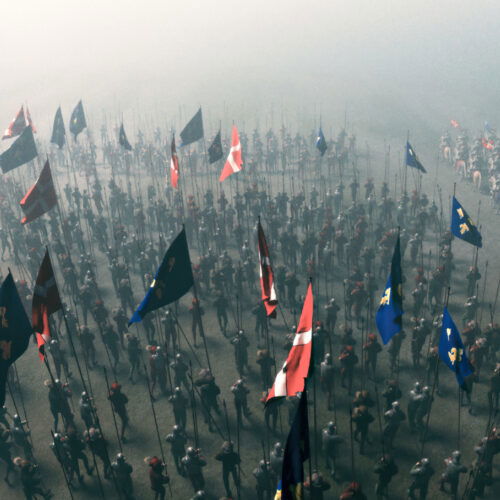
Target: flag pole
[(113, 410)]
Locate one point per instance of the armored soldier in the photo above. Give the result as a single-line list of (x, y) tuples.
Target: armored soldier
[(391, 393), (30, 480), (123, 473), (393, 419), (196, 312), (264, 483), (180, 369), (134, 355), (157, 478), (330, 441), (332, 310), (119, 402), (266, 362), (97, 444), (240, 393), (362, 418), (372, 349), (386, 469), (177, 439), (179, 405), (348, 361), (415, 397), (230, 461), (316, 486), (421, 474), (86, 410), (87, 338), (240, 344), (75, 446), (59, 357), (451, 475), (327, 378), (193, 464), (276, 462), (58, 399)]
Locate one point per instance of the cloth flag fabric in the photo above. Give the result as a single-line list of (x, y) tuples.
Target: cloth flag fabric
[(297, 451), (122, 139), (174, 165), (412, 159), (46, 301), (22, 150), (16, 126), (290, 379), (452, 351), (390, 311), (29, 120), (462, 226), (172, 280), (321, 142), (266, 275), (234, 160), (40, 198), (58, 130), (77, 121), (215, 149), (15, 330), (193, 131)]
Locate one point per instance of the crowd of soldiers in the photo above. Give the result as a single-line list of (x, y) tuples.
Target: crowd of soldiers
[(337, 228)]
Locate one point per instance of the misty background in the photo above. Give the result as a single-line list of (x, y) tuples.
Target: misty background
[(392, 65)]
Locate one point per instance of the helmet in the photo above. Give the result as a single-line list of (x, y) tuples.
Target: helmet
[(395, 404), (84, 395), (456, 455), (331, 426), (425, 462), (278, 447), (120, 457), (191, 452)]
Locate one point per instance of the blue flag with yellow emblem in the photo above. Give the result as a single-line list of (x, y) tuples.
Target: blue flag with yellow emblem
[(462, 226), (451, 350), (390, 311), (15, 330), (173, 279)]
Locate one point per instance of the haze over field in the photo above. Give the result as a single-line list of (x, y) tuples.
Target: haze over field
[(393, 64)]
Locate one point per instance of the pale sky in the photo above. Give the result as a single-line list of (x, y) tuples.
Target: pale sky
[(392, 64)]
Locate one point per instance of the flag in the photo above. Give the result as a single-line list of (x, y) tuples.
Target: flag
[(29, 120), (321, 142), (174, 165), (389, 315), (122, 139), (58, 131), (463, 227), (77, 121), (451, 350), (290, 379), (215, 149), (46, 301), (16, 126), (172, 280), (15, 330), (40, 198), (295, 454), (488, 129), (234, 161), (412, 159), (454, 124), (193, 131), (22, 150), (266, 275)]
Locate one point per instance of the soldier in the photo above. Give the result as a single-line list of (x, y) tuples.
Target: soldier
[(394, 350), (220, 304), (134, 355), (5, 454), (393, 419), (179, 406), (177, 439), (62, 455), (111, 341), (119, 402), (123, 474), (169, 328), (423, 409), (157, 478), (75, 446), (372, 349), (276, 462), (87, 338), (180, 369), (415, 397), (193, 464), (421, 474), (3, 417), (266, 362), (452, 472), (327, 379), (316, 486), (158, 368), (240, 343), (209, 391), (264, 483), (240, 393), (332, 310), (121, 320), (21, 437), (362, 419), (59, 357), (391, 393), (30, 481), (98, 446), (196, 312), (494, 389), (230, 462), (58, 399), (386, 469), (348, 360), (330, 441), (86, 410)]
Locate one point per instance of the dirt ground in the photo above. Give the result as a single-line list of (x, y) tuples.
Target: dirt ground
[(142, 436)]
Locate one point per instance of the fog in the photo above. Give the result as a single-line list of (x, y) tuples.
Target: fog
[(391, 65)]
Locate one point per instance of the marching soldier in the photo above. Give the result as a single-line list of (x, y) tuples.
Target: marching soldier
[(386, 469), (452, 472), (119, 402), (230, 461), (157, 478), (264, 484), (123, 473), (393, 419), (177, 439), (331, 441), (421, 474), (193, 464)]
